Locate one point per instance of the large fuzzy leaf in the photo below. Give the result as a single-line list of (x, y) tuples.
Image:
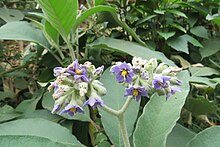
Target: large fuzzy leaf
[(20, 30), (207, 138), (160, 116), (8, 113), (33, 141), (39, 128), (9, 15), (179, 136), (131, 48), (203, 71)]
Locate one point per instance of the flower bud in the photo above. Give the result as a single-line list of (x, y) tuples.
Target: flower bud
[(151, 64), (83, 88), (138, 61), (161, 67), (98, 86)]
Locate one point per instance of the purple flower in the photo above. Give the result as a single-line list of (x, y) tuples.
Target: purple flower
[(173, 91), (136, 92), (144, 75), (98, 71), (58, 93), (94, 102), (56, 108), (57, 71), (78, 71), (123, 72), (72, 110), (54, 86), (160, 82)]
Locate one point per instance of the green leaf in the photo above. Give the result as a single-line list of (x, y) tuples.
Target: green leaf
[(179, 44), (145, 19), (48, 103), (60, 14), (8, 113), (214, 18), (9, 15), (20, 83), (200, 31), (30, 104), (200, 106), (210, 47), (203, 80), (90, 12), (130, 48), (177, 12), (166, 35), (159, 12), (99, 2), (192, 40), (44, 114), (159, 117), (115, 99), (179, 136), (179, 27), (51, 32), (203, 71), (207, 138), (33, 141), (39, 128), (20, 30), (17, 74), (6, 94)]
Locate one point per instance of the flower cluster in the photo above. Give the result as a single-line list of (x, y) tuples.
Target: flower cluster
[(74, 84), (145, 77)]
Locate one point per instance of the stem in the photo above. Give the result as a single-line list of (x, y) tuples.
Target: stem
[(125, 106), (110, 110), (60, 52), (77, 44), (120, 115), (72, 54), (124, 132)]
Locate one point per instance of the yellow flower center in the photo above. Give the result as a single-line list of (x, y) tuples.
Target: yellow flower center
[(135, 92), (124, 72), (78, 71), (73, 109)]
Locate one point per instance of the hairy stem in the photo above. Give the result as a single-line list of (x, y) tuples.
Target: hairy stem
[(125, 106), (120, 115), (110, 110), (123, 129)]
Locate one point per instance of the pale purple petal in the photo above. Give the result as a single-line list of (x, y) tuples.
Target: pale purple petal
[(94, 102)]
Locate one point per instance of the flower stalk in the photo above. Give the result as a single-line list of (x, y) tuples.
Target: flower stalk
[(120, 116), (123, 129)]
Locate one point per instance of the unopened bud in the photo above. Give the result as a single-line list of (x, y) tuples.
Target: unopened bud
[(98, 86)]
